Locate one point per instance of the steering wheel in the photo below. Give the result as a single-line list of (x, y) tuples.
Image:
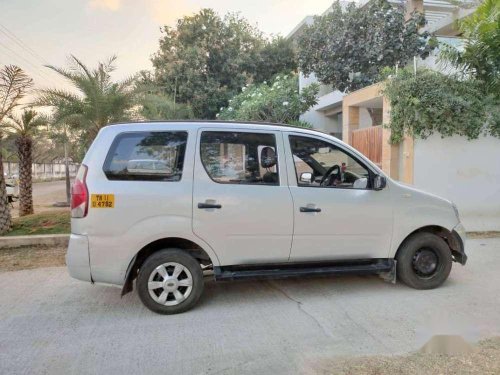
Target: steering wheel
[(325, 181)]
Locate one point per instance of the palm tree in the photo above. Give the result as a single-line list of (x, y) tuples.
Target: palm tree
[(14, 84), (24, 129), (98, 101)]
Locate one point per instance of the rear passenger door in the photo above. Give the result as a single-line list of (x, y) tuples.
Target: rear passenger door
[(242, 206)]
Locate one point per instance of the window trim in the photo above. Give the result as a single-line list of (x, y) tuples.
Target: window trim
[(120, 135), (241, 131), (371, 173)]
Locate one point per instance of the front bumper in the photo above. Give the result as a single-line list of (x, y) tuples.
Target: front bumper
[(457, 244), (77, 257)]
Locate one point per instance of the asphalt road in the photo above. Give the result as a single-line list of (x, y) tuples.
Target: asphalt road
[(51, 324)]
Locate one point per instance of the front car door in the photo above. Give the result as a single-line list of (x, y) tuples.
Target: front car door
[(241, 203), (337, 213)]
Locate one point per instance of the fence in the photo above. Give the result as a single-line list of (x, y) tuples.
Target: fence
[(42, 171), (369, 142)]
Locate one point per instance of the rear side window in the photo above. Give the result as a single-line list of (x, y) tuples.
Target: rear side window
[(146, 156)]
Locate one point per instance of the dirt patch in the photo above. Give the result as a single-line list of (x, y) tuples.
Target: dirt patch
[(23, 258), (493, 234), (484, 360)]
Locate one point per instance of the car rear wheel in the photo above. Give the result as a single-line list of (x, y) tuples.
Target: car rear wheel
[(170, 282), (424, 261)]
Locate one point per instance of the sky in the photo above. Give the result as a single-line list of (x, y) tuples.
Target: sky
[(38, 32)]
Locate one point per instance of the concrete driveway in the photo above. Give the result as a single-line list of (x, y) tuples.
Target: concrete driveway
[(52, 324)]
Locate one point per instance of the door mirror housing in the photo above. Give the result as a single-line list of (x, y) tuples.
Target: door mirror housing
[(306, 177), (379, 182)]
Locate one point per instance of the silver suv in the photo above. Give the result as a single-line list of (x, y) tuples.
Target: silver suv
[(165, 203)]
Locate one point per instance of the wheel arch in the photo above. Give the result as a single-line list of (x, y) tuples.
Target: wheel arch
[(140, 257), (451, 238)]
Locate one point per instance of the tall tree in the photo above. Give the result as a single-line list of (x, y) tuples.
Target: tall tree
[(277, 56), (479, 57), (97, 102), (348, 47), (24, 129), (155, 104), (14, 84), (205, 60), (278, 101)]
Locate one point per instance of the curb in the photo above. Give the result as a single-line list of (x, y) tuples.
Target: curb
[(36, 240)]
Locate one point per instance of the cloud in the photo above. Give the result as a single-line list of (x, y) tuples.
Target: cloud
[(168, 11), (112, 5)]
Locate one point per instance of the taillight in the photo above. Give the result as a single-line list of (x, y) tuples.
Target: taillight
[(80, 194)]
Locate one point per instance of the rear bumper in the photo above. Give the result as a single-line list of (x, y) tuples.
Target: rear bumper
[(458, 244), (77, 257)]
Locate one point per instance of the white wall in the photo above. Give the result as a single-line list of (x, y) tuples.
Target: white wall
[(465, 172)]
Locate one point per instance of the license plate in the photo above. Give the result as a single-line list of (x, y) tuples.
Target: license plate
[(102, 201)]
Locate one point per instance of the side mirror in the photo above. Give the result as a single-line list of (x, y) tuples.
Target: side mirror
[(379, 182), (306, 177), (360, 183)]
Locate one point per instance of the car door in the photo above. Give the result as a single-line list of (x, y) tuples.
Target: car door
[(241, 203), (337, 216)]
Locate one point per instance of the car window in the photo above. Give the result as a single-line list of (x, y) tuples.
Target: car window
[(147, 156), (240, 157), (321, 164)]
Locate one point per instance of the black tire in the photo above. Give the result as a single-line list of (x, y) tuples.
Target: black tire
[(409, 261), (170, 256)]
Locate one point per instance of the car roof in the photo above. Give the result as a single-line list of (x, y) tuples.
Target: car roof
[(211, 123)]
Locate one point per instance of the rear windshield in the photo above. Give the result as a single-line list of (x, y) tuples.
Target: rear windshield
[(146, 156)]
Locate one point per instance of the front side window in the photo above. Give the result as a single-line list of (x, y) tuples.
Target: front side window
[(147, 156), (322, 164), (240, 158)]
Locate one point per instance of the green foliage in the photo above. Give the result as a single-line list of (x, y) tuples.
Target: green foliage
[(29, 124), (277, 56), (161, 107), (279, 102), (206, 59), (480, 55), (154, 104), (97, 102), (348, 48), (430, 102), (14, 83)]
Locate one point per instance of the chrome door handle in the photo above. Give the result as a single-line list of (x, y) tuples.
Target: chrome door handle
[(310, 209)]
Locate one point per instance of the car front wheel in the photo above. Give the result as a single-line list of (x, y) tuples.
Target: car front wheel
[(170, 282), (424, 261)]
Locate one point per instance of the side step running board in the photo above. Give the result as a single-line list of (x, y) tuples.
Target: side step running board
[(375, 266)]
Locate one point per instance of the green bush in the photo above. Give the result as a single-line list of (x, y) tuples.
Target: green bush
[(429, 102), (278, 101)]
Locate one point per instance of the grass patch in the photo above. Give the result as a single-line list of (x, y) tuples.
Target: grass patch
[(50, 222)]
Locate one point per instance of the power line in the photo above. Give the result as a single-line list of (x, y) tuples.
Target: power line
[(23, 45), (37, 69)]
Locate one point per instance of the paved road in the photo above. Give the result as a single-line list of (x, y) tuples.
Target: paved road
[(52, 324), (43, 189)]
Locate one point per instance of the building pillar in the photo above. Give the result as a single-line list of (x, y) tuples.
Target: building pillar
[(390, 152), (350, 122)]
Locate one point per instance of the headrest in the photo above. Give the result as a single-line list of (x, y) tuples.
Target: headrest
[(268, 157)]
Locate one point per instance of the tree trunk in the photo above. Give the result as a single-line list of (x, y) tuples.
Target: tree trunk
[(5, 218), (66, 171), (24, 151)]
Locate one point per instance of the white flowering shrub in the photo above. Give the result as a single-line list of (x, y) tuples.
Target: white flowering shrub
[(278, 101)]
